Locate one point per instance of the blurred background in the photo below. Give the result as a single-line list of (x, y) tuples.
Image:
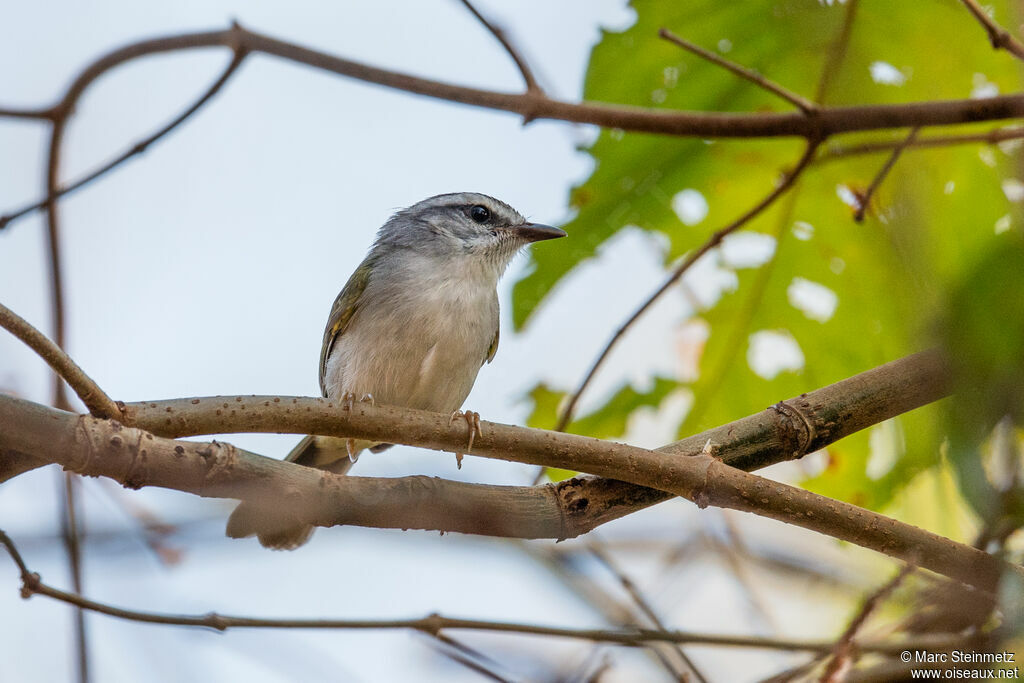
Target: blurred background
[(209, 264)]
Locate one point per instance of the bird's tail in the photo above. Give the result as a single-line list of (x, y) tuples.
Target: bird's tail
[(274, 528)]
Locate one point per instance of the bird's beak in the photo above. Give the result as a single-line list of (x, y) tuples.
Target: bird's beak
[(535, 232)]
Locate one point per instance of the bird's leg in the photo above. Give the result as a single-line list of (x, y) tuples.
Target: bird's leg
[(348, 401), (473, 424)]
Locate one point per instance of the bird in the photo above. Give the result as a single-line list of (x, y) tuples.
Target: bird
[(412, 327)]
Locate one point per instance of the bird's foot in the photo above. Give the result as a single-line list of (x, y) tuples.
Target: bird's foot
[(348, 401), (350, 446), (473, 424), (368, 398)]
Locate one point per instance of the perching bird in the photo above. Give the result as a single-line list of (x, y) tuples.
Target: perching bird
[(412, 327)]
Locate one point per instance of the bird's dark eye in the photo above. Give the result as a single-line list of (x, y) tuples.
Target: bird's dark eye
[(480, 214)]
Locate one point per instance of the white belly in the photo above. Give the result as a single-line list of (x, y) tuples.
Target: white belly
[(423, 350)]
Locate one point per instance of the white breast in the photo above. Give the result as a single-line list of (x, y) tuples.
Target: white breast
[(417, 346)]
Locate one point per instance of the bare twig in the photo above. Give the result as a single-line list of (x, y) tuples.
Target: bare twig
[(992, 137), (865, 201), (67, 513), (645, 607), (801, 103), (69, 527), (466, 656), (836, 54), (997, 35), (39, 114), (32, 584), (499, 35), (716, 238), (60, 399), (844, 654), (98, 403), (136, 149)]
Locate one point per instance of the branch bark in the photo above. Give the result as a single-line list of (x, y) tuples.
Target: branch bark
[(136, 458)]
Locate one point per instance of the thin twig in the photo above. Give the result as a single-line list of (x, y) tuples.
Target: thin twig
[(836, 54), (466, 656), (60, 398), (992, 137), (716, 238), (645, 607), (865, 200), (32, 584), (844, 654), (68, 515), (800, 102), (499, 34), (39, 114), (997, 35), (136, 149), (69, 527), (98, 403)]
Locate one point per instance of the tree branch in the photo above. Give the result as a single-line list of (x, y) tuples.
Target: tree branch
[(136, 149), (845, 652), (991, 137), (32, 584), (865, 201), (94, 398), (39, 114), (997, 35), (524, 69), (137, 458), (531, 105), (801, 103)]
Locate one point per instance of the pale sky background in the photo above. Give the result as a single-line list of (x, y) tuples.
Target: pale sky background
[(208, 266)]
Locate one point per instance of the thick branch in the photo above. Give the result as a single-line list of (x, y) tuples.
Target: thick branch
[(137, 458)]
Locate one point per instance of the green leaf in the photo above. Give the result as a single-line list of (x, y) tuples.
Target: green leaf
[(938, 211)]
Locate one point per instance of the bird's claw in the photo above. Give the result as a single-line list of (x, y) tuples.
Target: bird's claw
[(348, 401), (473, 424), (350, 446), (368, 398)]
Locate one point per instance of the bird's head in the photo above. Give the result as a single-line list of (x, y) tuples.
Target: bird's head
[(463, 226)]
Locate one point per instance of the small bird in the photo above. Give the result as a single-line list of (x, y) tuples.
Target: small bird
[(412, 327)]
